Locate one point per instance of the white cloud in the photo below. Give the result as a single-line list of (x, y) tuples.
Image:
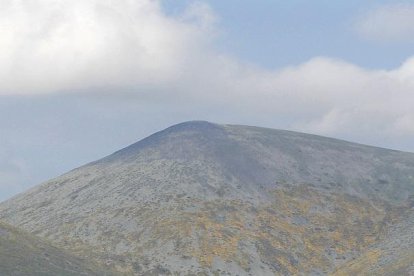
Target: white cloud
[(47, 46), (201, 14), (51, 45), (331, 97), (388, 23)]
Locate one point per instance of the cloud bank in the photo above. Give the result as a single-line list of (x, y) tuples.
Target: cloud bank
[(132, 51), (53, 45)]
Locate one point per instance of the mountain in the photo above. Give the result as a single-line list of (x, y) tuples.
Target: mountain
[(205, 199), (22, 254), (393, 255)]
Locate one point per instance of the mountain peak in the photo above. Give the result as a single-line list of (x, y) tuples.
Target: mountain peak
[(181, 133), (199, 197), (193, 125)]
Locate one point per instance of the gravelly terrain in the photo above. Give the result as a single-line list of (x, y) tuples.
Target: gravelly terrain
[(22, 254), (206, 199), (393, 255)]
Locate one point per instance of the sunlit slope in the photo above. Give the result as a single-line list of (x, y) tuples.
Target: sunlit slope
[(206, 198)]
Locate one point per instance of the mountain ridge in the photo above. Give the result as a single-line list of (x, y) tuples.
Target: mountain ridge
[(199, 124), (205, 198)]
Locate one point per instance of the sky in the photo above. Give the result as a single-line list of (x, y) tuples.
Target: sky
[(81, 79)]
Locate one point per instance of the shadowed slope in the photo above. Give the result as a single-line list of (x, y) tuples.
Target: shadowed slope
[(25, 255), (206, 198)]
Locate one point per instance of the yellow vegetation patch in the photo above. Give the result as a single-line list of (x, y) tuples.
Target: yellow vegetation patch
[(360, 265), (299, 230)]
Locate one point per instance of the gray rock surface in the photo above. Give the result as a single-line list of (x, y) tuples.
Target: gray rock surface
[(205, 199), (22, 254)]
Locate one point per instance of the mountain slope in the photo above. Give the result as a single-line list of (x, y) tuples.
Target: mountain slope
[(22, 254), (393, 255), (206, 198)]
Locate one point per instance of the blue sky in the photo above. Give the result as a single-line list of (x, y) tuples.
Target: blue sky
[(275, 34), (84, 78)]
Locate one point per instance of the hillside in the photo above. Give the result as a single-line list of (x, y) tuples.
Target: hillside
[(22, 254), (201, 198), (393, 255)]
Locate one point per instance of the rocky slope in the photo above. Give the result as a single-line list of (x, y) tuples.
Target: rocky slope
[(393, 255), (208, 199), (22, 254)]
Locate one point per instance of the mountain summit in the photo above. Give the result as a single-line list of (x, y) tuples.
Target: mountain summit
[(205, 199)]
